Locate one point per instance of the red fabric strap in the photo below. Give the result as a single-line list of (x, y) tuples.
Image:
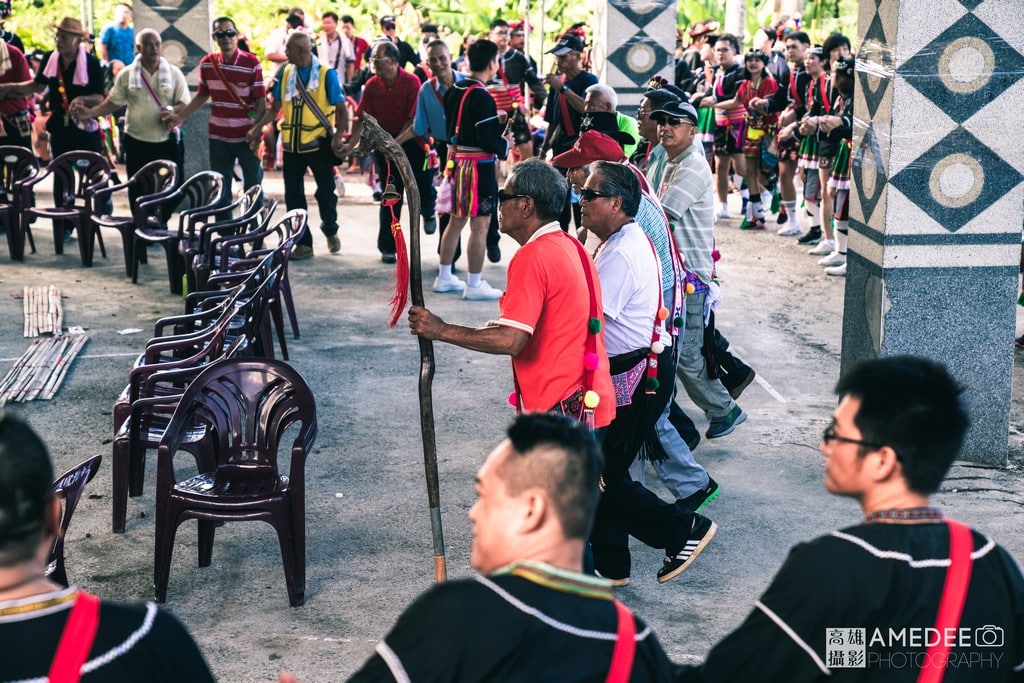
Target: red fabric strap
[(570, 129), (625, 646), (954, 593), (458, 118), (76, 640), (232, 93)]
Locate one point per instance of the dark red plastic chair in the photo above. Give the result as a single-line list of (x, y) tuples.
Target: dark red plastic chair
[(68, 487), (250, 403), (151, 183), (81, 174), (199, 194), (17, 165)]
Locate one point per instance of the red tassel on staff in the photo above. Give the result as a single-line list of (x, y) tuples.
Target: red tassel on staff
[(401, 296)]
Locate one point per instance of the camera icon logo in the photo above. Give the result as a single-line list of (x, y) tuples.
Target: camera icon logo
[(988, 636)]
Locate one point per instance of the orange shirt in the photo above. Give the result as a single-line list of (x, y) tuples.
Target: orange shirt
[(547, 297)]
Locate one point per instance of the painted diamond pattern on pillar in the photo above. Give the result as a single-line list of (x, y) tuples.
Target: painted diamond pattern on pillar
[(640, 12), (868, 173), (172, 11), (971, 4), (958, 178), (189, 53), (964, 68), (874, 65), (640, 58)]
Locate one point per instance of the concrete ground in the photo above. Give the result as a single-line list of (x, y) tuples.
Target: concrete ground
[(368, 530)]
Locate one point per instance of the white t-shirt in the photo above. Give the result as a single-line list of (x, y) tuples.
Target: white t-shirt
[(630, 289)]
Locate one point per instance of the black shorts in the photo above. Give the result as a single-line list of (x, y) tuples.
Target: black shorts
[(521, 128), (725, 141)]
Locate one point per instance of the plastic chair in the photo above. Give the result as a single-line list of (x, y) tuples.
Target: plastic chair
[(251, 403), (17, 164), (204, 260), (199, 194), (81, 175), (68, 487), (195, 233), (153, 182)]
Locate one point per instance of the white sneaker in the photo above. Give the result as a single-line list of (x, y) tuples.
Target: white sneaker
[(823, 248), (482, 292), (442, 285), (722, 216), (833, 259), (789, 229), (838, 271), (339, 186)]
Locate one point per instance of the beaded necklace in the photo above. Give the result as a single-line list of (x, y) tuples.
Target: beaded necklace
[(925, 514)]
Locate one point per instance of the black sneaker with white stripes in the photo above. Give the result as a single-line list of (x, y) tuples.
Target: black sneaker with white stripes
[(700, 535)]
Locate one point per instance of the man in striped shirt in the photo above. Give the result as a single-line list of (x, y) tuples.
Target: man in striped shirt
[(233, 80)]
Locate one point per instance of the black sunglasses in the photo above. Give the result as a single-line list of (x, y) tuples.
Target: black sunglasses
[(830, 435), (591, 195), (229, 33), (669, 120), (504, 196)]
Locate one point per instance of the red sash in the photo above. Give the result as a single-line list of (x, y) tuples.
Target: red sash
[(954, 592), (625, 646), (76, 640)]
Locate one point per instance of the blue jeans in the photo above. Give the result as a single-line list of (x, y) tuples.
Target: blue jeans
[(222, 159)]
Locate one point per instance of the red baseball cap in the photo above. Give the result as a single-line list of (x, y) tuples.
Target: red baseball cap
[(590, 146)]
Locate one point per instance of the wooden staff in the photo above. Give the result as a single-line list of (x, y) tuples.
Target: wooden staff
[(375, 137)]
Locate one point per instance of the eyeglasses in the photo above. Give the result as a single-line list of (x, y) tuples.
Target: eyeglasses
[(229, 33), (591, 195), (377, 60), (672, 121), (504, 196), (830, 435)]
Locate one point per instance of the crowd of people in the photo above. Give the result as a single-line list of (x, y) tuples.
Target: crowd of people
[(595, 335)]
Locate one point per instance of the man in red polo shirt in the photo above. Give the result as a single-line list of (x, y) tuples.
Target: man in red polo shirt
[(390, 97), (547, 311)]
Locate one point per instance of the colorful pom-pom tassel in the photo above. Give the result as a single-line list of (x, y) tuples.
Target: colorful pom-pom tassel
[(662, 313), (679, 322), (594, 325), (716, 255), (513, 399), (652, 383), (658, 347), (591, 399), (591, 361), (690, 289)]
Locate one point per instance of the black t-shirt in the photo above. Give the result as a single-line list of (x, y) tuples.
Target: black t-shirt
[(885, 579), (479, 126), (480, 630), (163, 650), (93, 86)]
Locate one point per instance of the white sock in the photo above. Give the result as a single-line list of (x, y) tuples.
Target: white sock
[(475, 279), (790, 208), (750, 210), (725, 208), (745, 193), (445, 272), (842, 235), (766, 197), (814, 211), (757, 209)]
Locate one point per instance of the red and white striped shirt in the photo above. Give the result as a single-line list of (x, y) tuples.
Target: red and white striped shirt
[(229, 120)]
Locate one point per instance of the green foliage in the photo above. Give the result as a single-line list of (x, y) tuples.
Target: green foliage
[(822, 17)]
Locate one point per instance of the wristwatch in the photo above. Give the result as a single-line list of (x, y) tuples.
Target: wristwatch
[(564, 87)]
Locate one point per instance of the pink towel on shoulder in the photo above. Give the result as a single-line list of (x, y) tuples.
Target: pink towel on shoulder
[(81, 72)]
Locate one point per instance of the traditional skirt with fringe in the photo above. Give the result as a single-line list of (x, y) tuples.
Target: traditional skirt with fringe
[(807, 156), (472, 181), (840, 176), (706, 124)]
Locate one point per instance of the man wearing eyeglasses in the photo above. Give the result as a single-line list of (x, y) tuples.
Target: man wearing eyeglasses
[(682, 180), (906, 595), (640, 354), (390, 97), (233, 80), (559, 363)]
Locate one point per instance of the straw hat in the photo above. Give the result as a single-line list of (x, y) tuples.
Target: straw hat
[(73, 26)]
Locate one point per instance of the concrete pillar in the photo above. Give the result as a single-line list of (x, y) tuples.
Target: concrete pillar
[(184, 26), (936, 204), (633, 42)]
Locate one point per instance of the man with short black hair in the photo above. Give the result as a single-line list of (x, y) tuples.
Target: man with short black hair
[(233, 80), (117, 39), (564, 111), (334, 49), (406, 55), (115, 642), (531, 614), (905, 569)]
